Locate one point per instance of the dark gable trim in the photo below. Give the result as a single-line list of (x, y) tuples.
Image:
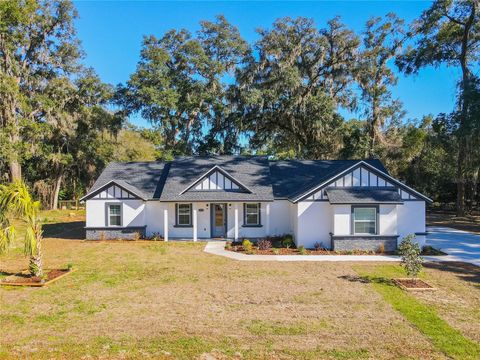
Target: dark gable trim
[(106, 186), (177, 225), (259, 215), (225, 173), (371, 168)]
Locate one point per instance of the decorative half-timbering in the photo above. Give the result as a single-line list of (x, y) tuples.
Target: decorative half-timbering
[(217, 179), (114, 192), (361, 177)]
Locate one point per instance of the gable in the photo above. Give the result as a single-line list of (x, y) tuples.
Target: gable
[(362, 176), (217, 179), (111, 191)]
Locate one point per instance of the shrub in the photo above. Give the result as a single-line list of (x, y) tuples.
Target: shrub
[(276, 251), (69, 266), (228, 245), (410, 253), (318, 246), (264, 244), (301, 250), (247, 245), (156, 236), (137, 236), (287, 241), (381, 248)]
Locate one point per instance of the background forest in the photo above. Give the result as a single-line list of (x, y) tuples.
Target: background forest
[(211, 92)]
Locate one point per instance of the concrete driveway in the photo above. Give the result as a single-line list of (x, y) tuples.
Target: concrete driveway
[(459, 245)]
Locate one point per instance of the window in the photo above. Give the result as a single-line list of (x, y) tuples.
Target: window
[(115, 215), (184, 214), (252, 214), (365, 220)]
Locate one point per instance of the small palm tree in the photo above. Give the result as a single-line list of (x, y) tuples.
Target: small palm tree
[(16, 202)]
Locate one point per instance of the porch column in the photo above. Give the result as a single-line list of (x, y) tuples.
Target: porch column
[(236, 222), (165, 224), (267, 219), (194, 222)]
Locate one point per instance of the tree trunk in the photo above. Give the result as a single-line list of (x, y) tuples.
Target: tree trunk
[(15, 170), (461, 178), (36, 266), (56, 190)]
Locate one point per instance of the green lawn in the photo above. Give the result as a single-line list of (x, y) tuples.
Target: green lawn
[(173, 301)]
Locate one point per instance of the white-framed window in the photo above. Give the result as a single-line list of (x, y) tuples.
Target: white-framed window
[(252, 214), (114, 215), (184, 214), (365, 220)]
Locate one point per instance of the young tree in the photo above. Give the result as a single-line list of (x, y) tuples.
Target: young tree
[(37, 44), (410, 253), (15, 201), (382, 41), (449, 33)]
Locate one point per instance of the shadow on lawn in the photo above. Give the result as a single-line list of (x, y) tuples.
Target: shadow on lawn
[(74, 230), (367, 279), (464, 271)]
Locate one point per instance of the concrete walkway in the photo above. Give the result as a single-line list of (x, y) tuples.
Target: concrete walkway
[(459, 245)]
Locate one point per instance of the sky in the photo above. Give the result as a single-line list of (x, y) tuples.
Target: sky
[(111, 33)]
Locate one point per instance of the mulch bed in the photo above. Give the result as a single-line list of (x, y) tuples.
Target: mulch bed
[(413, 284), (294, 251), (25, 279)]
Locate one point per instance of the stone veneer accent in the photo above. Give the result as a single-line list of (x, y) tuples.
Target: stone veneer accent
[(114, 233), (358, 242)]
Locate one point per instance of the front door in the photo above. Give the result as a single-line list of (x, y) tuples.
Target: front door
[(219, 220)]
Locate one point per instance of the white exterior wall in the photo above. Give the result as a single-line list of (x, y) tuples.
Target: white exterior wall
[(341, 218), (281, 219), (133, 212), (314, 223), (387, 221), (411, 219)]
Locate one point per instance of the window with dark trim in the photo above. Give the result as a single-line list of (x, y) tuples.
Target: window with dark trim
[(183, 214), (251, 214), (364, 220), (114, 215)]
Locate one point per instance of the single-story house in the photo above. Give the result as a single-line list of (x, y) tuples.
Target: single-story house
[(340, 204)]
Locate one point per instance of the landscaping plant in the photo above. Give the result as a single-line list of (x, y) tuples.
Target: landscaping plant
[(301, 250), (247, 245), (287, 241), (410, 253), (264, 244), (16, 202)]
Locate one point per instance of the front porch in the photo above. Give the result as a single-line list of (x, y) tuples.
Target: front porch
[(199, 221)]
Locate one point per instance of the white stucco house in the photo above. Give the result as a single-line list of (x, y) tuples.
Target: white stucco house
[(342, 204)]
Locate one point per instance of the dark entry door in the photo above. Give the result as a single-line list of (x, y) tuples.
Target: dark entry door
[(219, 220)]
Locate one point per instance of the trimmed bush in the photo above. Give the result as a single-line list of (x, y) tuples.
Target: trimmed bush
[(247, 245)]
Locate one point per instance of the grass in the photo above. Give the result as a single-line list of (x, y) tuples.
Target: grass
[(161, 300), (448, 340)]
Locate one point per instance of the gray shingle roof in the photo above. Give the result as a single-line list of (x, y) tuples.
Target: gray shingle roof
[(362, 195), (293, 178), (143, 178), (251, 171), (167, 181)]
